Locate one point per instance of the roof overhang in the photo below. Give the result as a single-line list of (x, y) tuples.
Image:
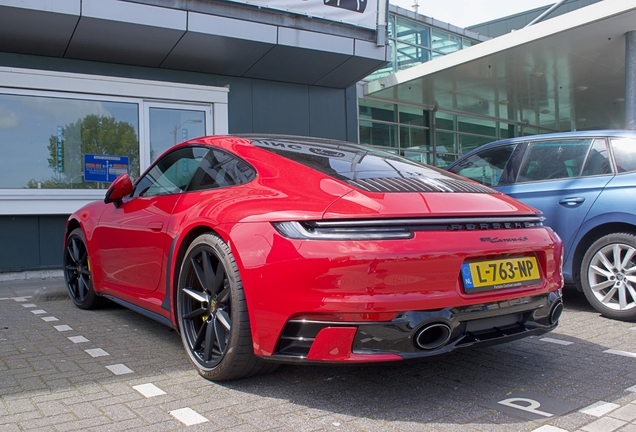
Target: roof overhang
[(210, 36), (565, 73)]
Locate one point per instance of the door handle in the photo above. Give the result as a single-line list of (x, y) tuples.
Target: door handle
[(155, 226), (571, 202)]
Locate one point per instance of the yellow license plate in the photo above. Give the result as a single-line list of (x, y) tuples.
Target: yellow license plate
[(500, 273)]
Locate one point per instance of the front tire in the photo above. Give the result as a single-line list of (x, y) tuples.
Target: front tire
[(212, 313), (77, 272), (608, 276)]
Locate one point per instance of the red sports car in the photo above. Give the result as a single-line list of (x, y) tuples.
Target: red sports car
[(269, 249)]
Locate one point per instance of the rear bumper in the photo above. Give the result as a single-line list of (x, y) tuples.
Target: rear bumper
[(417, 334)]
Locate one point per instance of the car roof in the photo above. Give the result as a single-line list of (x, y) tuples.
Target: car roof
[(571, 134), (616, 133)]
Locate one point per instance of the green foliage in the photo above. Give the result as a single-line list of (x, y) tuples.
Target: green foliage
[(93, 134)]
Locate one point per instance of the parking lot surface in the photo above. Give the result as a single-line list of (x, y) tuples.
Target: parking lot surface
[(63, 369)]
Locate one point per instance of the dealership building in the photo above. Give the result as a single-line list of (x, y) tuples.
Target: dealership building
[(90, 88)]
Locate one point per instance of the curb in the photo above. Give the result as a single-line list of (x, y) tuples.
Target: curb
[(51, 293), (26, 275)]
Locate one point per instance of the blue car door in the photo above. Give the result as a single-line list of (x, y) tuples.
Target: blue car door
[(562, 178)]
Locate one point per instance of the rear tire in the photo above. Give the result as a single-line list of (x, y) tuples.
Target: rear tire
[(608, 276), (77, 272), (212, 313)]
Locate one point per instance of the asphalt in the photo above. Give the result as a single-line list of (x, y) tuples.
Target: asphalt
[(64, 369)]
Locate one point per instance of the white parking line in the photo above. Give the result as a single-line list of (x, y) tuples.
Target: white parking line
[(21, 299), (599, 408), (38, 311), (96, 352), (188, 416), (631, 389), (548, 428), (149, 390), (620, 353), (78, 339), (28, 305), (62, 328), (49, 319), (119, 369), (556, 341)]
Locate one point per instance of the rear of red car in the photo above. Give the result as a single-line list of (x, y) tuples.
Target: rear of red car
[(406, 262)]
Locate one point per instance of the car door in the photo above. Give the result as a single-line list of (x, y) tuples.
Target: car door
[(133, 235), (562, 178)]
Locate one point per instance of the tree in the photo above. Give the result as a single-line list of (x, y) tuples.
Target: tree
[(93, 134)]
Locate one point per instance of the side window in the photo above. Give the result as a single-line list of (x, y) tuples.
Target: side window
[(486, 166), (554, 159), (598, 162), (220, 169), (625, 154), (171, 174)]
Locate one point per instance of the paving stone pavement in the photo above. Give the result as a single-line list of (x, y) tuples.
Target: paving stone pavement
[(66, 369)]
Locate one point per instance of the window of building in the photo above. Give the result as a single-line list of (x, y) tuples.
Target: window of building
[(45, 138), (75, 133)]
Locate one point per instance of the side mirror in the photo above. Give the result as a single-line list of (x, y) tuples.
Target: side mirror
[(121, 187)]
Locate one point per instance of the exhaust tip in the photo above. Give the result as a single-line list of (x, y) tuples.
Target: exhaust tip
[(557, 310), (432, 336)]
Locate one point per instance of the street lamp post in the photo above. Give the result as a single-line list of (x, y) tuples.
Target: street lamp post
[(176, 128)]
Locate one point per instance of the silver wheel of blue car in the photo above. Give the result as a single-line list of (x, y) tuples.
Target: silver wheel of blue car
[(608, 276), (212, 313)]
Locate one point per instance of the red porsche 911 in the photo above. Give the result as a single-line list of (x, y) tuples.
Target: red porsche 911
[(268, 249)]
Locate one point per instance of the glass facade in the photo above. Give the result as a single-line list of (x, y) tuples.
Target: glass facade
[(410, 131), (434, 137), (413, 43)]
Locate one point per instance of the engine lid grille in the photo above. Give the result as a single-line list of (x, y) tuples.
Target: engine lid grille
[(418, 184)]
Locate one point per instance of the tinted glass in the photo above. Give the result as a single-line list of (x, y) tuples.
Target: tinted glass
[(220, 169), (625, 154), (554, 159), (172, 173), (486, 166), (347, 161), (598, 161)]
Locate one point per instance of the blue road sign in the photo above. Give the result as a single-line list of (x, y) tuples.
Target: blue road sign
[(104, 168)]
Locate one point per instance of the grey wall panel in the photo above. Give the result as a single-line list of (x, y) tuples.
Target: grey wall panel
[(347, 72), (327, 109), (51, 230), (121, 42), (215, 54), (19, 243), (35, 32), (351, 97), (280, 108), (295, 65)]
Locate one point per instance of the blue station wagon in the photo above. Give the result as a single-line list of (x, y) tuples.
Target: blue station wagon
[(585, 184)]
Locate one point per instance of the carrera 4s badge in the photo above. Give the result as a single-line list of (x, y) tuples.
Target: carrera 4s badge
[(504, 240)]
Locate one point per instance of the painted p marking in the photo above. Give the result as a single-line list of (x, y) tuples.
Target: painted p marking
[(525, 404)]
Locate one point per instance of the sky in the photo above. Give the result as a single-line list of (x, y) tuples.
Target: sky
[(464, 13)]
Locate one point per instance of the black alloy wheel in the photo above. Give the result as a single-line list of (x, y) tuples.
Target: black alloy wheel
[(77, 271), (212, 313)]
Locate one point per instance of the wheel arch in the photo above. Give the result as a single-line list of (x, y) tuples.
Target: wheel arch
[(182, 245), (590, 237), (71, 225)]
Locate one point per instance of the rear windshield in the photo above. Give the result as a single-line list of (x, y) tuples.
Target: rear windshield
[(349, 161), (368, 169)]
